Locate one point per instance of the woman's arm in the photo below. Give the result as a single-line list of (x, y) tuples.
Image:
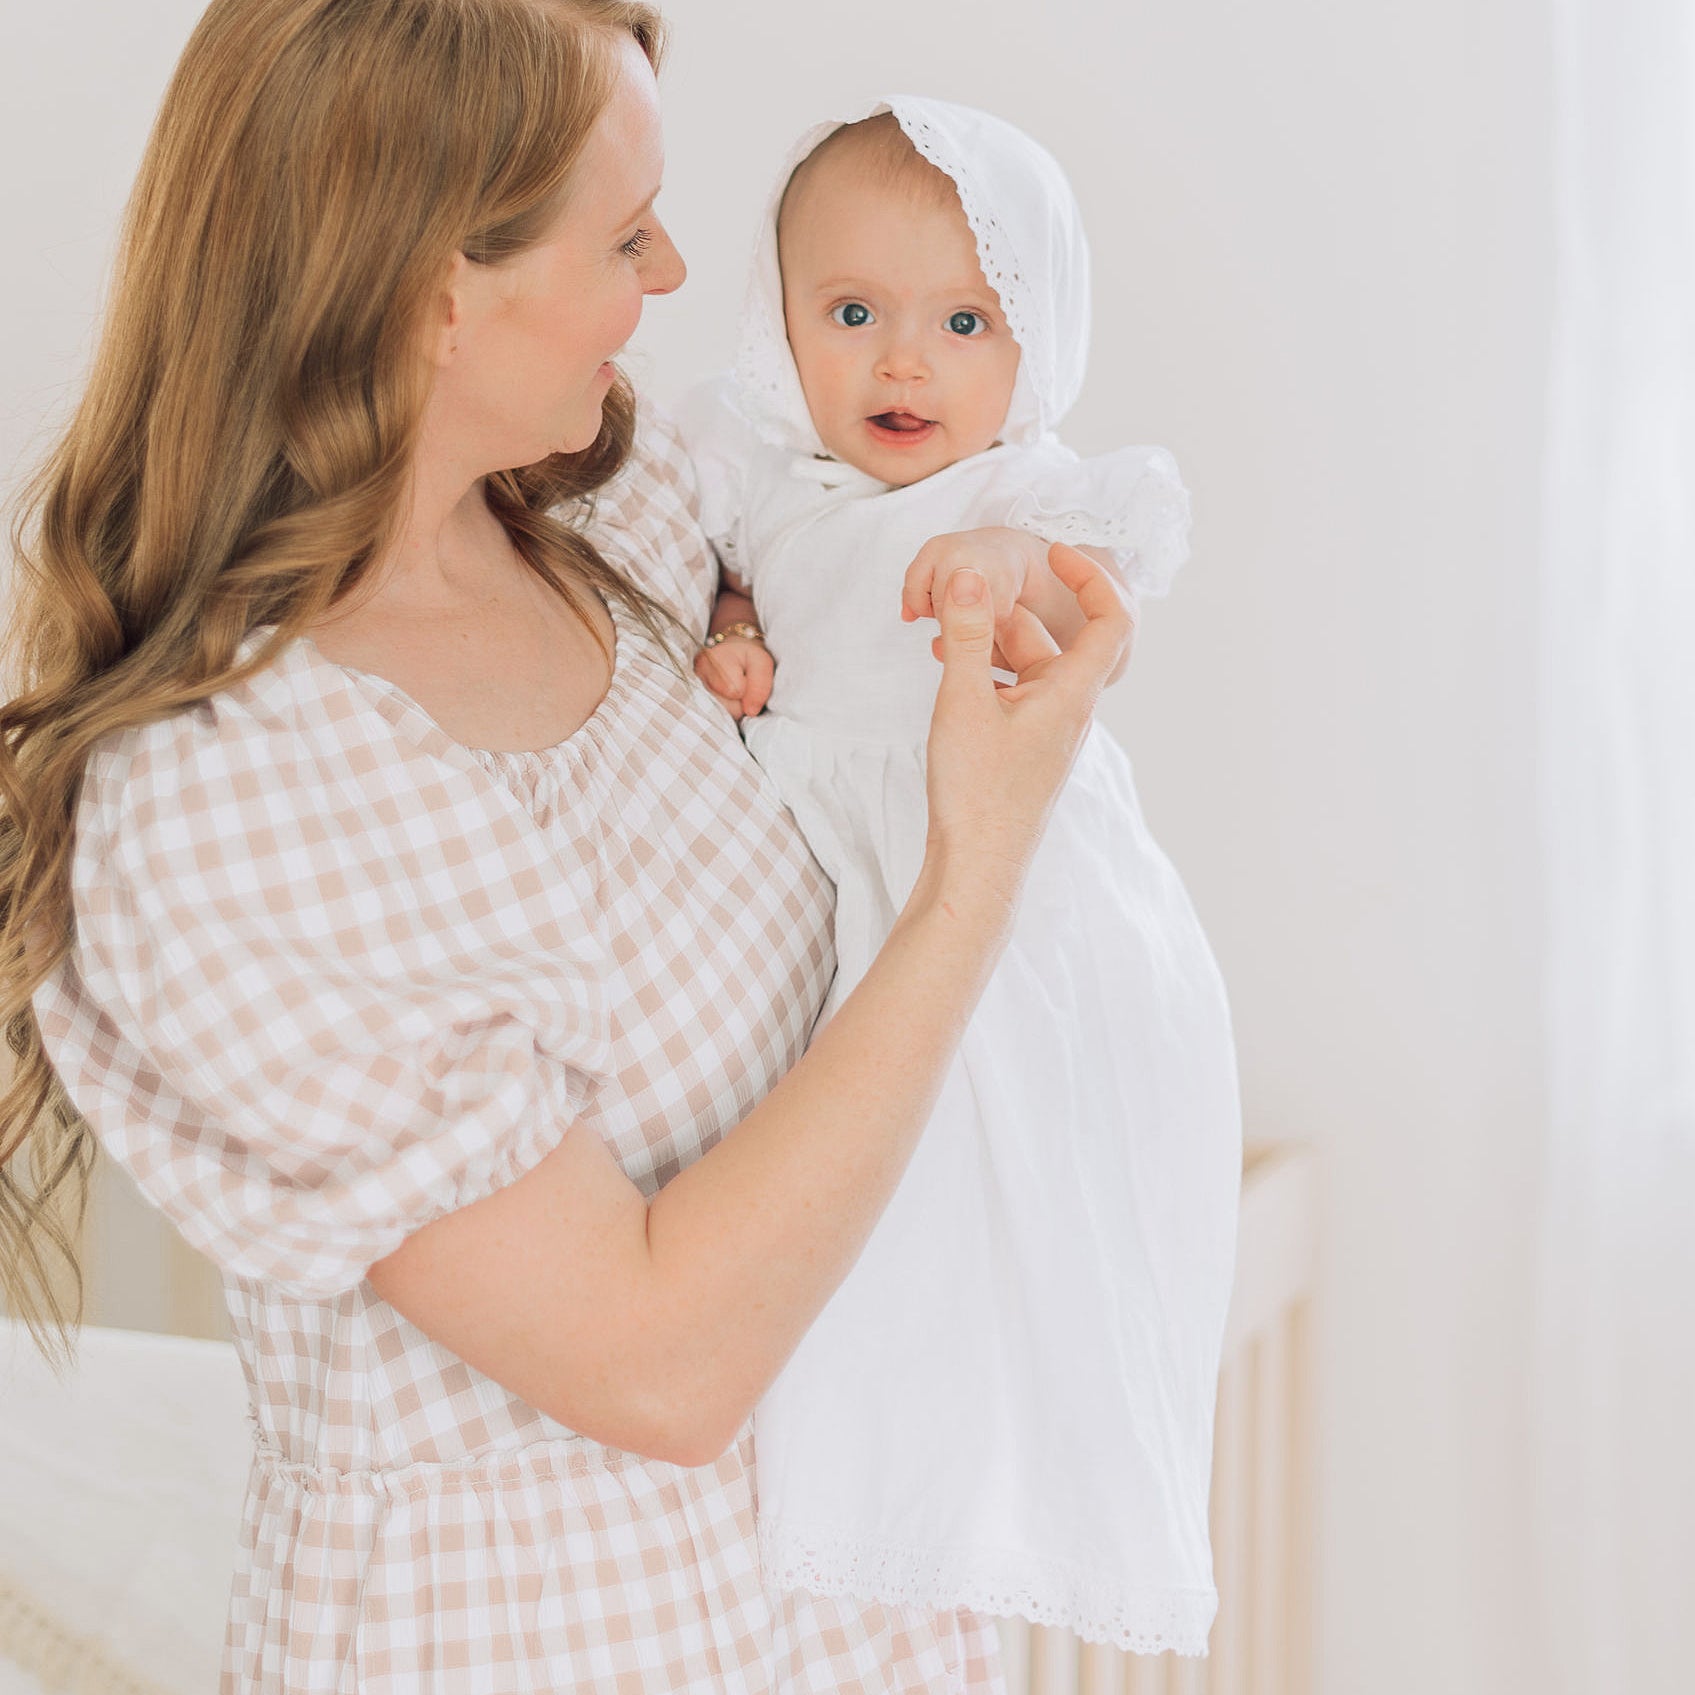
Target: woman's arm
[(655, 1326)]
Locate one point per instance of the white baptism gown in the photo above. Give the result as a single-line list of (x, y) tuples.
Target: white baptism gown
[(1007, 1405)]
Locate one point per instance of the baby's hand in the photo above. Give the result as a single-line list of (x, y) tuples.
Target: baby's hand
[(739, 670), (1005, 557)]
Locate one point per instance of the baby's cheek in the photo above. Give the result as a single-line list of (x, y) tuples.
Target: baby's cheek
[(833, 392)]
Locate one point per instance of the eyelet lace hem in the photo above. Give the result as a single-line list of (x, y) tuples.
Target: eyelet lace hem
[(998, 1583)]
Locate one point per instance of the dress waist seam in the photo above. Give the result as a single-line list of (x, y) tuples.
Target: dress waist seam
[(560, 1457)]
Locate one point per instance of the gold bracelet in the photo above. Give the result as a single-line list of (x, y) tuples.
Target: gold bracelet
[(751, 631)]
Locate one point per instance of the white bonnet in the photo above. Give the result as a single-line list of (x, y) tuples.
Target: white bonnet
[(1030, 244)]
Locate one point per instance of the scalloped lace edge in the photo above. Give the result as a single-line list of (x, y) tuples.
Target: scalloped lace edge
[(995, 251), (1044, 1591), (1150, 534), (760, 377)]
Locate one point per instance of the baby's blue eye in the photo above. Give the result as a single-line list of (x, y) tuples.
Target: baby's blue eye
[(851, 315), (968, 323)]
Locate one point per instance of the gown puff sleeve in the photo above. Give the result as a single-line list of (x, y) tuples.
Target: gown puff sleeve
[(326, 985), (1131, 501), (722, 445)]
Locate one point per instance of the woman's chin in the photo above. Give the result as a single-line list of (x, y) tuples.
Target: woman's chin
[(582, 437)]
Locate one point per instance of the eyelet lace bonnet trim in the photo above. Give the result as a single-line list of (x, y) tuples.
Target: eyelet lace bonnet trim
[(1030, 243)]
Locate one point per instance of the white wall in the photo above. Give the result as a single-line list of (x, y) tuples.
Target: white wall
[(1321, 250), (1321, 255)]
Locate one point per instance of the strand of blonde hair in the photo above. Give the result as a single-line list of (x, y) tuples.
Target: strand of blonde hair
[(239, 455)]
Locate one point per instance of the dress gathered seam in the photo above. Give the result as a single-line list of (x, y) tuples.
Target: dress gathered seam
[(555, 1456)]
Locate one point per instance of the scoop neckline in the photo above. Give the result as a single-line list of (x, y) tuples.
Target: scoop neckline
[(594, 721)]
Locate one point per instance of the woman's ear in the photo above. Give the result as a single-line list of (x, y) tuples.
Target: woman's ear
[(449, 316)]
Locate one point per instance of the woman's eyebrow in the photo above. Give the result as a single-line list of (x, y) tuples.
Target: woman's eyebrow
[(641, 208)]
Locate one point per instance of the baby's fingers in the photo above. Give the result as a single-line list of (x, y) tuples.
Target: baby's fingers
[(1024, 640), (756, 685), (722, 677), (916, 590)]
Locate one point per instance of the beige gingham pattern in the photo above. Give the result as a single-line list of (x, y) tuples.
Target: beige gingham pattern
[(336, 975)]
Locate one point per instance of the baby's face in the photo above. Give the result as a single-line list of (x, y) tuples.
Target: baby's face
[(902, 348)]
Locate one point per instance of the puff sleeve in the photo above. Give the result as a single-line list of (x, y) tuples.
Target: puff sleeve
[(322, 991), (1131, 501)]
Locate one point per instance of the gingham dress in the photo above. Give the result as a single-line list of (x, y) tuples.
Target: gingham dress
[(336, 975)]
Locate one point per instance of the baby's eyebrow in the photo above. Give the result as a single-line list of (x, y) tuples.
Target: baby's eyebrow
[(947, 291)]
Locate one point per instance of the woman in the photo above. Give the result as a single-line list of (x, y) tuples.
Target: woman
[(381, 888)]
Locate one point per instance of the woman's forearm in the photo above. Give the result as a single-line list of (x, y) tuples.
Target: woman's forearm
[(747, 1244), (654, 1324)]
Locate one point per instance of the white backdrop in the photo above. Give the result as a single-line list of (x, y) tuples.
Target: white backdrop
[(1616, 1361), (1322, 251)]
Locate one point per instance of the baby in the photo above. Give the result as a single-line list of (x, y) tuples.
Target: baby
[(1008, 1403)]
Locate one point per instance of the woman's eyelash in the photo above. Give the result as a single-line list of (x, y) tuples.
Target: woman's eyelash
[(637, 244)]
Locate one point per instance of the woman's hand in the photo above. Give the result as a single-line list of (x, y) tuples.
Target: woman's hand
[(998, 754)]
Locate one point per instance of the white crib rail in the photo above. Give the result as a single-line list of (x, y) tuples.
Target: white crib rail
[(1261, 1504)]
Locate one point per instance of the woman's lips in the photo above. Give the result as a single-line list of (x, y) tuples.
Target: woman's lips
[(900, 429)]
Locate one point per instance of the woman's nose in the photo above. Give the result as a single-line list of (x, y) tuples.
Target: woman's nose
[(664, 270)]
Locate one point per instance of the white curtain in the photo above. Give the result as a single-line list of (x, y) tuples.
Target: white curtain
[(1614, 1390)]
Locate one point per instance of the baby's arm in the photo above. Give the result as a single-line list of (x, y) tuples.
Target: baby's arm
[(735, 666)]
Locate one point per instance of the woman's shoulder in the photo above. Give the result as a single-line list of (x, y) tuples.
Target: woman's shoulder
[(253, 725), (289, 755), (656, 482), (647, 517)]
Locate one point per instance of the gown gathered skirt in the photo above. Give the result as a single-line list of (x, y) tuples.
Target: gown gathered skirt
[(1008, 1403)]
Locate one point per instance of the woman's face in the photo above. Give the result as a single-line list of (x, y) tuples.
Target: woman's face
[(525, 356)]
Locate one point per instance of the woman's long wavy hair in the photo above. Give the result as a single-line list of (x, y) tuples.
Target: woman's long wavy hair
[(240, 454)]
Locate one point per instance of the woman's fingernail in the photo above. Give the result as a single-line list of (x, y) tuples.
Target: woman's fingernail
[(965, 587)]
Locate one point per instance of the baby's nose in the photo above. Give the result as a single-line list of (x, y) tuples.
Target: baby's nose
[(902, 361)]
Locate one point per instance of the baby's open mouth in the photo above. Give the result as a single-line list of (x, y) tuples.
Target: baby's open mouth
[(902, 422)]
